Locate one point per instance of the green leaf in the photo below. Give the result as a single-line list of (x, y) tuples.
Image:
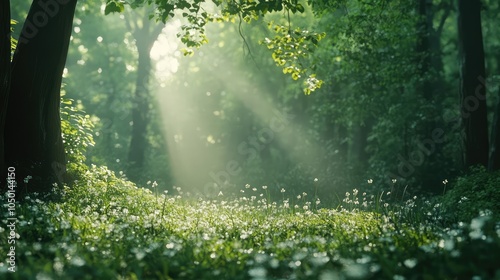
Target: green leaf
[(113, 6), (300, 8)]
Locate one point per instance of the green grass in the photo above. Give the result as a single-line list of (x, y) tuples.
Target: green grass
[(104, 227)]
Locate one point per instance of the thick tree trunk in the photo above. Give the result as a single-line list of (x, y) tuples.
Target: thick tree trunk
[(33, 142), (472, 86), (4, 77)]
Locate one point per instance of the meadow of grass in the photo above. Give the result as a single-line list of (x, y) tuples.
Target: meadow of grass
[(105, 227)]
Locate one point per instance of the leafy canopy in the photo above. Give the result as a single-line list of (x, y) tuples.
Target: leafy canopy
[(289, 46)]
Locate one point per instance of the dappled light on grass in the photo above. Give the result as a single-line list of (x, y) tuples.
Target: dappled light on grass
[(107, 227)]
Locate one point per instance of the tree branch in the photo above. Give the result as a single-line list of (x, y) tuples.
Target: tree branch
[(446, 14)]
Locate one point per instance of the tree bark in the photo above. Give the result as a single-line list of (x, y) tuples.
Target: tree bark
[(33, 142), (472, 84), (4, 77)]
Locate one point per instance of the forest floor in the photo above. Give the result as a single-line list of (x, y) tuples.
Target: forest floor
[(106, 228)]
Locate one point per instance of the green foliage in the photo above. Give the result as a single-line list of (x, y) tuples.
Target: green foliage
[(77, 130), (477, 191), (322, 6), (372, 108), (289, 46), (100, 75), (106, 227), (114, 7), (290, 49)]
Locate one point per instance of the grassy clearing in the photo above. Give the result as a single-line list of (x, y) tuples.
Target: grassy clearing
[(106, 228)]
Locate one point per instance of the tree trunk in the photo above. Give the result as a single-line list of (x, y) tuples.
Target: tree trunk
[(494, 157), (424, 52), (140, 110), (429, 57), (472, 85), (430, 86), (145, 37), (33, 142), (359, 155), (4, 77)]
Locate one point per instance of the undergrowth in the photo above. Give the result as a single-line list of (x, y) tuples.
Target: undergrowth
[(106, 227)]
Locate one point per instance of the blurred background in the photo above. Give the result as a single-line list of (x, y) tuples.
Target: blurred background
[(226, 116)]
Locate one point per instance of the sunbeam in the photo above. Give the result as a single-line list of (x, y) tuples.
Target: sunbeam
[(207, 156)]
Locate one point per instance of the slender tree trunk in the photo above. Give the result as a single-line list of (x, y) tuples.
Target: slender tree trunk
[(472, 85), (494, 156), (33, 142), (140, 110), (342, 134), (431, 85), (145, 37), (360, 140), (424, 52), (4, 77)]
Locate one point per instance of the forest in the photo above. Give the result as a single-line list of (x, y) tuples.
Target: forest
[(250, 139)]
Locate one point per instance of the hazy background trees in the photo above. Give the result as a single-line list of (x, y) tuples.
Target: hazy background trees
[(226, 116)]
